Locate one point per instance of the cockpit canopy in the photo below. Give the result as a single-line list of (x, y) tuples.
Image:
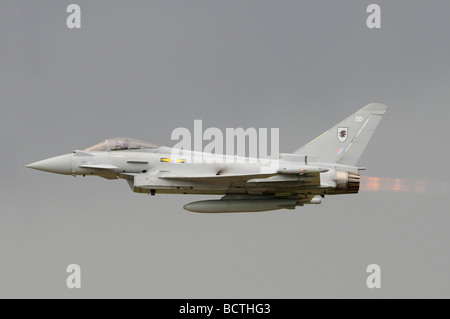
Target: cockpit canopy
[(121, 144)]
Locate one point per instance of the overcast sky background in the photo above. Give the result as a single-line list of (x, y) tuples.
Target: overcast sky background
[(142, 68)]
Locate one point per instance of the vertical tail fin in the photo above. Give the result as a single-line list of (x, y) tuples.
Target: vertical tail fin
[(345, 142)]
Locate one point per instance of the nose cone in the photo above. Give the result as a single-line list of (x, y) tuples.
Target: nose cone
[(59, 164)]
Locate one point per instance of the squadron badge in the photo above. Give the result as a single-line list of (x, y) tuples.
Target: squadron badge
[(342, 133)]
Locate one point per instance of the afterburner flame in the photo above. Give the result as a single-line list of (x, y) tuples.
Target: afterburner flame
[(401, 185)]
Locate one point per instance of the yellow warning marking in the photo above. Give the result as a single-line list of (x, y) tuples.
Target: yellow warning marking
[(172, 160)]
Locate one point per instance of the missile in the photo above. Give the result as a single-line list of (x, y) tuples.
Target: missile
[(315, 200), (302, 170), (239, 205)]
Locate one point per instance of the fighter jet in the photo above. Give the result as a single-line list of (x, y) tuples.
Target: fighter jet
[(325, 166)]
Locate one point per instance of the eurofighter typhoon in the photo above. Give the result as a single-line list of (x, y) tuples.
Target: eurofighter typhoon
[(324, 166)]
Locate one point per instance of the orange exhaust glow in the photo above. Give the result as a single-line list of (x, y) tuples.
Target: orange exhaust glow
[(401, 185)]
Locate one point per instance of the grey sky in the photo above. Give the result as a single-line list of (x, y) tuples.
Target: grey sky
[(143, 68)]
